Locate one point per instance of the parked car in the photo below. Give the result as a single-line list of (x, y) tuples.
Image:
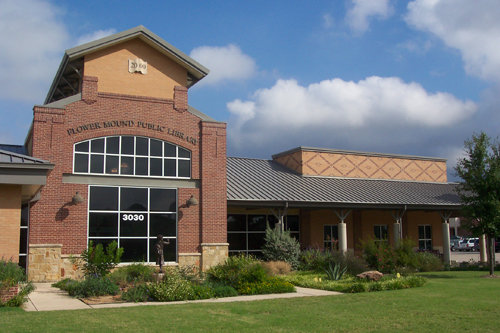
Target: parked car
[(454, 242), (467, 244), (476, 245)]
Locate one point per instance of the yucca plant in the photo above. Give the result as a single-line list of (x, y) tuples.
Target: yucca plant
[(335, 272)]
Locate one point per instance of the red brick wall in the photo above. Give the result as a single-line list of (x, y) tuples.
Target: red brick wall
[(213, 183), (7, 293), (54, 220)]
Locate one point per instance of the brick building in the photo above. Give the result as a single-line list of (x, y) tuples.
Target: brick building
[(125, 158)]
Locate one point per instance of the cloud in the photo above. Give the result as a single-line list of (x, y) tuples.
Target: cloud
[(327, 21), (32, 42), (376, 111), (359, 14), (226, 63), (98, 34), (472, 27)]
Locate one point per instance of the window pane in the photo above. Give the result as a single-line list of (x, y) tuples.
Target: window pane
[(184, 168), (103, 224), (428, 233), (141, 166), (141, 147), (83, 147), (156, 148), (384, 232), (184, 153), (134, 199), (155, 168), (81, 163), (170, 150), (103, 198), (163, 224), (113, 145), (237, 241), (169, 251), (104, 242), (128, 145), (134, 250), (292, 223), (421, 232), (272, 220), (112, 164), (25, 211), (255, 241), (133, 224), (170, 168), (97, 146), (97, 163), (127, 166), (256, 222), (163, 200), (23, 241), (236, 222)]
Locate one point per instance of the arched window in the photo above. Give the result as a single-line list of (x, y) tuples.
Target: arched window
[(131, 156)]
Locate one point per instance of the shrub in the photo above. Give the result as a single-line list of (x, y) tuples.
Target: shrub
[(97, 262), (139, 293), (380, 255), (277, 267), (134, 273), (91, 286), (281, 246), (428, 262), (318, 261), (271, 285), (12, 274), (202, 291), (335, 271), (220, 290), (236, 270), (174, 287)]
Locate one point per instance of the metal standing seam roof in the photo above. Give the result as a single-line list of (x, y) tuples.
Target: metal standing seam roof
[(14, 158), (266, 181)]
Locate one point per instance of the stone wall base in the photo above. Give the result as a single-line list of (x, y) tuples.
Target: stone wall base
[(190, 260), (213, 254), (47, 264)]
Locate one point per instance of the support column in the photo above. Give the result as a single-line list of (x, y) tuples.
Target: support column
[(397, 233), (482, 249), (398, 217), (342, 229), (446, 238)]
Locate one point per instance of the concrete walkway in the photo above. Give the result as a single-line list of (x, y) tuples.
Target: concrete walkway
[(47, 298)]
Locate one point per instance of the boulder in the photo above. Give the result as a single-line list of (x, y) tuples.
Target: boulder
[(370, 275)]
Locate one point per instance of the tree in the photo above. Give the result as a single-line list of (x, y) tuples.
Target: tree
[(479, 190)]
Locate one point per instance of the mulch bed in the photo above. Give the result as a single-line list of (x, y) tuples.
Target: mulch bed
[(102, 300)]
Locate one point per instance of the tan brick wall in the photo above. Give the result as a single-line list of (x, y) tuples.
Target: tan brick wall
[(416, 218), (312, 227), (44, 262), (190, 260), (110, 66), (213, 254), (357, 165), (10, 221)]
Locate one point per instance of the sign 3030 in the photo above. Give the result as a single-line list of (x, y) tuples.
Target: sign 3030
[(133, 217)]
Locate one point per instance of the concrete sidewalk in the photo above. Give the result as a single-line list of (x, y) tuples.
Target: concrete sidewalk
[(47, 298)]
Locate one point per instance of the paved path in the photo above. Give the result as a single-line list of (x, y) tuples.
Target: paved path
[(47, 298)]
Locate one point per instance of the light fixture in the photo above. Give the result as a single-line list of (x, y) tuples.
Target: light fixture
[(77, 198), (191, 201)]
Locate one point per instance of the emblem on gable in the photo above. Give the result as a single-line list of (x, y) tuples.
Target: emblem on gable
[(137, 65)]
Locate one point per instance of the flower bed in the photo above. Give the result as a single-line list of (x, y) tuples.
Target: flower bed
[(351, 284)]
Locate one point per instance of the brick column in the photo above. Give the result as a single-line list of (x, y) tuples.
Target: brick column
[(89, 89), (213, 203), (180, 98)]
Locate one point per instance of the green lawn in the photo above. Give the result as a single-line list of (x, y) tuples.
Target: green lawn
[(450, 301)]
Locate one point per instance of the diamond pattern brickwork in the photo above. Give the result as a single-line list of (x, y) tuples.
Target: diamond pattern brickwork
[(352, 165)]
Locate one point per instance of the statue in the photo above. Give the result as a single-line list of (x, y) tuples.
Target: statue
[(160, 243)]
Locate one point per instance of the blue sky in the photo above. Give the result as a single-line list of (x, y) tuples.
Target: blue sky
[(406, 77)]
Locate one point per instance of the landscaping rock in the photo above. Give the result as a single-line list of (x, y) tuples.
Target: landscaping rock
[(370, 275)]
